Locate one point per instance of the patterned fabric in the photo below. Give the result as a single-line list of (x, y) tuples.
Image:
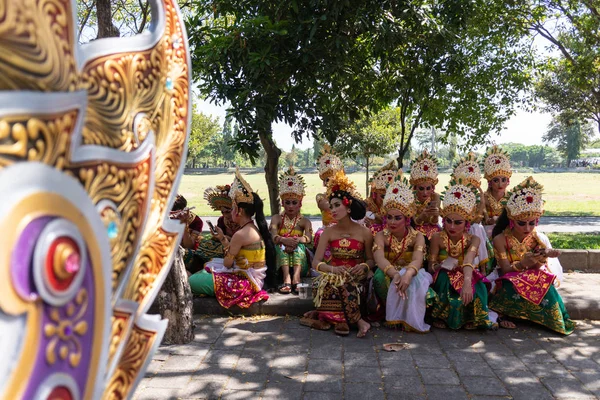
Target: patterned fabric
[(450, 308), (551, 312), (337, 297), (242, 284), (297, 258)]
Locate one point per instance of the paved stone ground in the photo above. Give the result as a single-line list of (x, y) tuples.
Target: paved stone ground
[(276, 358)]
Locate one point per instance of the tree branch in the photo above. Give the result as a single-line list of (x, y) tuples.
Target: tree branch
[(548, 36)]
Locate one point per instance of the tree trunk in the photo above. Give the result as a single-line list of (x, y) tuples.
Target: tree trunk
[(367, 177), (271, 168), (174, 302), (105, 23)]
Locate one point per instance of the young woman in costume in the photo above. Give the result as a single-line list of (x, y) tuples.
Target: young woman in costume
[(423, 178), (399, 251), (238, 278), (291, 231), (341, 278), (462, 294), (375, 218), (529, 267), (497, 171)]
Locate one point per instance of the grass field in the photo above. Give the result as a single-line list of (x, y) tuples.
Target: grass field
[(584, 241), (568, 194)]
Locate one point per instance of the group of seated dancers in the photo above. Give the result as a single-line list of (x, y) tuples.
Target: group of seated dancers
[(387, 258)]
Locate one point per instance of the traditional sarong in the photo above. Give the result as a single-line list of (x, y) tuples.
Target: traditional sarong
[(337, 297), (297, 258), (410, 313)]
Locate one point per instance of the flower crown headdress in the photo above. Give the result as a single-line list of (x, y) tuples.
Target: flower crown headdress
[(424, 169), (341, 187), (329, 163), (400, 196), (467, 169), (240, 191), (291, 185), (460, 198), (496, 162), (218, 197), (383, 177), (525, 200)]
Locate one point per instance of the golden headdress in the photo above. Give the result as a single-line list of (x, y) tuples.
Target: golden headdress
[(240, 191), (400, 196), (328, 164), (341, 186), (525, 201), (496, 162), (383, 177), (467, 169), (460, 198), (424, 169), (291, 185), (218, 197)]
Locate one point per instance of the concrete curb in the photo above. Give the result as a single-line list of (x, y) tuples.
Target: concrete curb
[(581, 260), (579, 292)]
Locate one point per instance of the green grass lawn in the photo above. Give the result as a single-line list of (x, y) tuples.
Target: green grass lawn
[(584, 241), (565, 193)]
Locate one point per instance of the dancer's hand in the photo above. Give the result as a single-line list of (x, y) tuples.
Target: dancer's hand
[(466, 294)]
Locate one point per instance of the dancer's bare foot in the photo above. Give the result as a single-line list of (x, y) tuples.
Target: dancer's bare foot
[(438, 323), (363, 328), (310, 314)]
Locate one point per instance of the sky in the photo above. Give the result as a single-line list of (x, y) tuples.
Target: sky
[(524, 127)]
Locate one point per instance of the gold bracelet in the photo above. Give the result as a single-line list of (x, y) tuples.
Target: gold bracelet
[(276, 239), (385, 270), (376, 247), (319, 264), (419, 248), (229, 257), (514, 267), (410, 266), (502, 256), (467, 265), (366, 265), (473, 249), (307, 239)]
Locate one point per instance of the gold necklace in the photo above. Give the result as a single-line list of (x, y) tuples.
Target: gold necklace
[(457, 249), (289, 224), (494, 206)]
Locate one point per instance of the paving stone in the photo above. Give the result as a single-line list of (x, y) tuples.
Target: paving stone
[(590, 379), (399, 368), (399, 395), (282, 391), (484, 386), (430, 361), (167, 380), (331, 367), (216, 372), (352, 359), (404, 384), (578, 363), (156, 394), (196, 389), (154, 367), (333, 352), (288, 375), (357, 345), (322, 396), (535, 356), (497, 362), (524, 385), (396, 356), (438, 376), (243, 381), (567, 388), (461, 355), (239, 395), (289, 361), (222, 357), (443, 392), (182, 364), (192, 349), (542, 370), (362, 391), (323, 383), (473, 368), (362, 374)]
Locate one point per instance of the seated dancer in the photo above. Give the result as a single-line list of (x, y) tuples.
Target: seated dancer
[(328, 165), (467, 170), (381, 179), (462, 294), (208, 248), (497, 171), (238, 278), (338, 287), (291, 231), (528, 264), (423, 178), (399, 251), (191, 238)]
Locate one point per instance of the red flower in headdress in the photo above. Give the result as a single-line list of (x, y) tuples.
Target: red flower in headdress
[(457, 195), (426, 168), (336, 188), (290, 183), (497, 161), (529, 199), (389, 178), (395, 190), (471, 169), (327, 162), (345, 201)]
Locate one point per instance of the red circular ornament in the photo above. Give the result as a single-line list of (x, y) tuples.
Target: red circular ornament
[(62, 281), (60, 393), (498, 161), (425, 168), (389, 178), (457, 195), (327, 162), (395, 190), (345, 201), (471, 169), (290, 183), (529, 199)]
